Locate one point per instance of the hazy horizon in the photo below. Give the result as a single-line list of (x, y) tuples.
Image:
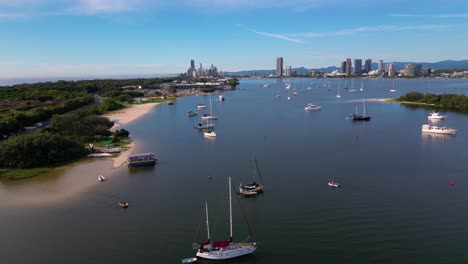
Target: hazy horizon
[(103, 37)]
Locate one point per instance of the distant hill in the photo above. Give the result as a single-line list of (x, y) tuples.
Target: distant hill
[(441, 65)]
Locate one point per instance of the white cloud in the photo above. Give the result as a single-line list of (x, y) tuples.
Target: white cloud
[(107, 6), (293, 37), (460, 15), (278, 36), (353, 31), (16, 69)]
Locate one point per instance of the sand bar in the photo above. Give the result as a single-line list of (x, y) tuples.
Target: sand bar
[(129, 114)]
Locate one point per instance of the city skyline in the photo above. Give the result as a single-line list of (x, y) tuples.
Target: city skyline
[(54, 38)]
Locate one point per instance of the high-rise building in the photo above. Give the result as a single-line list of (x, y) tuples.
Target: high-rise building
[(349, 66), (381, 66), (413, 70), (191, 70), (287, 71), (357, 66), (368, 65), (389, 70), (279, 66), (343, 67)]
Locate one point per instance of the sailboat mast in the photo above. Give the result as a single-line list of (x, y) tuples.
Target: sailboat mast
[(364, 103), (258, 170), (230, 209), (207, 223)]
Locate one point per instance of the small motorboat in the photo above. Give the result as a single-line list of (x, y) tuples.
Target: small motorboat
[(203, 126), (333, 184), (435, 116), (201, 106), (191, 113), (123, 204), (101, 178), (247, 191), (221, 98), (312, 107), (209, 133), (208, 117), (170, 103), (294, 93), (189, 260), (392, 90)]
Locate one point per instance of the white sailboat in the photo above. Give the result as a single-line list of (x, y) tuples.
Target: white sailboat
[(226, 249), (362, 86), (393, 88), (352, 87), (338, 93), (210, 131), (252, 188)]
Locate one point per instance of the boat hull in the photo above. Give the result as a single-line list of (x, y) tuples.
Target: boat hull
[(209, 134), (438, 130), (142, 163), (446, 132), (361, 118), (232, 251)]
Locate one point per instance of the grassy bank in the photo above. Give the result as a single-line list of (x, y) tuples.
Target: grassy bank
[(21, 174), (397, 100), (150, 100), (448, 102)]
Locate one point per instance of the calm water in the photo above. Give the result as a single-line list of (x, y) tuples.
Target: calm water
[(395, 205)]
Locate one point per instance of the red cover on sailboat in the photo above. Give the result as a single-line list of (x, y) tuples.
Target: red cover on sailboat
[(204, 243), (221, 244)]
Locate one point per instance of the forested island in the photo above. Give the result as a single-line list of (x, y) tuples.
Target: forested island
[(452, 102), (49, 124)]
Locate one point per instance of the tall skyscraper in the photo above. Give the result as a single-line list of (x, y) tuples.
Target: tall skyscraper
[(381, 66), (343, 67), (349, 66), (389, 69), (357, 66), (192, 64), (413, 70), (279, 66), (288, 71), (368, 65)]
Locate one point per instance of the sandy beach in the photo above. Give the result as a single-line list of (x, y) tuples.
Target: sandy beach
[(123, 117), (129, 114)]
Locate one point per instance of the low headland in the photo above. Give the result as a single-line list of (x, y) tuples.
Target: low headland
[(45, 126), (447, 102)]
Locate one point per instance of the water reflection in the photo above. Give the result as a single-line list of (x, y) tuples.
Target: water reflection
[(431, 137)]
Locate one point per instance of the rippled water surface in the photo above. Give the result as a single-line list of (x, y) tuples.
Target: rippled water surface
[(395, 205)]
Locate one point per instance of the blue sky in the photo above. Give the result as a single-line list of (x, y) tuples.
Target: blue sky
[(79, 38)]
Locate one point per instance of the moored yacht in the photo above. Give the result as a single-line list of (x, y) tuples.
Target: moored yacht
[(435, 116), (209, 117), (438, 130), (191, 113), (312, 107), (201, 106)]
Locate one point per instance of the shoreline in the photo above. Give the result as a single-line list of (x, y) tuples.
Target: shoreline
[(123, 117), (129, 114), (71, 181)]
